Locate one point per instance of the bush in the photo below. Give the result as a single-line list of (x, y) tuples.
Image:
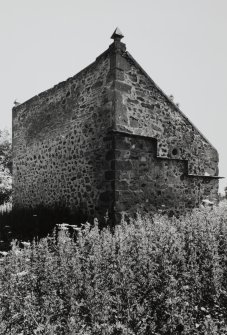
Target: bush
[(152, 276), (5, 167)]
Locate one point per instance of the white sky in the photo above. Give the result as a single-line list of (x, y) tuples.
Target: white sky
[(181, 44)]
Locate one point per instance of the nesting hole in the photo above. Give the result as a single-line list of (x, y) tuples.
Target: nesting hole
[(174, 152)]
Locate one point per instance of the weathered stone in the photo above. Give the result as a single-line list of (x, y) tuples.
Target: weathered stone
[(109, 137), (110, 155), (147, 106), (123, 87), (123, 165), (110, 175)]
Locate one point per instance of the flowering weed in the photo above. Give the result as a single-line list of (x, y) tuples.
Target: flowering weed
[(153, 276)]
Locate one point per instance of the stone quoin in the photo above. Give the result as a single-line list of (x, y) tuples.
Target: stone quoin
[(109, 140)]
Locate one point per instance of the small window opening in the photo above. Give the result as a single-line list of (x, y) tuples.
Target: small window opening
[(175, 152)]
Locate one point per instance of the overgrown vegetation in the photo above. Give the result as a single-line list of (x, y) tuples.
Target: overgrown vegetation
[(25, 224), (5, 166), (152, 276)]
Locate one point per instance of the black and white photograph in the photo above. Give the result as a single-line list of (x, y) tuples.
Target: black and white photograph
[(113, 166)]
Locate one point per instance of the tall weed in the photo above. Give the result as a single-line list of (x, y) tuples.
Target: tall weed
[(153, 276)]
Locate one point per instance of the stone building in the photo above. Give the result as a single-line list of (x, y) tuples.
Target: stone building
[(109, 140)]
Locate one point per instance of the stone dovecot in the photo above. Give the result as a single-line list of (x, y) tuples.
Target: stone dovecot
[(109, 140)]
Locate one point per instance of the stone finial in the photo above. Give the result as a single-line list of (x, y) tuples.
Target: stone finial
[(117, 35), (16, 103)]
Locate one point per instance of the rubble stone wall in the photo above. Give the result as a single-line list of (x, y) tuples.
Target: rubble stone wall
[(147, 111), (147, 183), (108, 139), (60, 143), (182, 171)]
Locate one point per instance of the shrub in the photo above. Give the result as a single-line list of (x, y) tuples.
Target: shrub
[(5, 166), (152, 276)]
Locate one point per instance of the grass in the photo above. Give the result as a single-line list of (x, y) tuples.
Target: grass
[(153, 276)]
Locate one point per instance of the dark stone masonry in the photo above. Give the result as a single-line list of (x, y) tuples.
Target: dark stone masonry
[(108, 140)]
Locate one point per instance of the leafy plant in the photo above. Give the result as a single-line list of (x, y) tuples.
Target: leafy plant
[(5, 166), (154, 275)]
